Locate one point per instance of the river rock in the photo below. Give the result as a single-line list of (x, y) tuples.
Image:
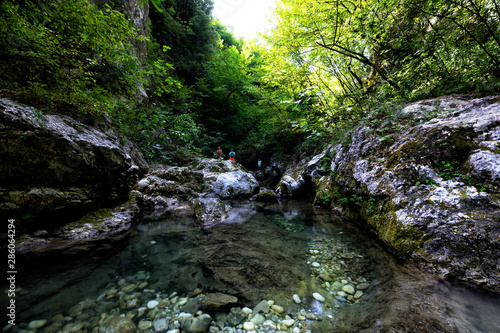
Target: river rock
[(258, 319), (210, 211), (211, 169), (182, 301), (318, 297), (278, 308), (248, 326), (117, 325), (144, 325), (192, 306), (348, 288), (152, 304), (290, 187), (362, 286), (262, 307), (235, 184), (269, 323), (296, 298), (36, 324), (129, 288), (161, 325), (431, 190), (132, 303), (77, 327), (358, 294), (251, 274), (166, 188), (325, 277), (246, 311), (265, 195), (235, 316), (217, 302), (199, 324), (94, 231)]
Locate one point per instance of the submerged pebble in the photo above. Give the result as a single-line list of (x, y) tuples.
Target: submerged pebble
[(348, 289), (248, 326), (36, 324), (152, 304), (318, 297)]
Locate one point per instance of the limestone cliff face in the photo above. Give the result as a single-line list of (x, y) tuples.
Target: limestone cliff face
[(137, 11), (53, 167), (430, 190)]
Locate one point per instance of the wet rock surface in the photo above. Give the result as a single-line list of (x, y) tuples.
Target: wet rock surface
[(203, 188), (235, 184), (430, 191), (210, 211), (265, 195), (53, 165), (96, 231), (168, 188)]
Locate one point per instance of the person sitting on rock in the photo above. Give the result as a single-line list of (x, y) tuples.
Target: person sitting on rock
[(232, 155)]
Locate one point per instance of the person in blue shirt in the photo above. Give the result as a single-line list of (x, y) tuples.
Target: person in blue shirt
[(232, 155)]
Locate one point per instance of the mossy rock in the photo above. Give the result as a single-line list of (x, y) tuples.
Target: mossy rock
[(265, 196)]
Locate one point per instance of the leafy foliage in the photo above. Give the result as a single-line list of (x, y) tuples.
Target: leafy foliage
[(63, 49), (324, 68), (362, 53)]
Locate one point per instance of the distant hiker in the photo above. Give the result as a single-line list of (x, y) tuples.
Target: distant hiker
[(259, 163), (219, 153), (232, 155)]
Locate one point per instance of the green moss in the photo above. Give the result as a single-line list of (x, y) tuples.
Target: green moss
[(408, 239), (94, 218), (267, 196)]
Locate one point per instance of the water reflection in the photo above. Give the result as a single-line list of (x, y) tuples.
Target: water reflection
[(240, 214), (252, 257)]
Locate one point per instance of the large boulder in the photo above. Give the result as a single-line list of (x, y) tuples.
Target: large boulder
[(53, 165), (211, 168), (431, 191), (235, 184), (296, 181), (166, 188), (210, 211)]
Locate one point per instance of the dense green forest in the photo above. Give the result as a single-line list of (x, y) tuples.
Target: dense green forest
[(325, 67)]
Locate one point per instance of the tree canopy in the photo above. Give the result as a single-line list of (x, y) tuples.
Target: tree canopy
[(323, 68)]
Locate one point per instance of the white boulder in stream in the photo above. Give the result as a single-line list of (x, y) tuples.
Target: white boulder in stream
[(235, 184)]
